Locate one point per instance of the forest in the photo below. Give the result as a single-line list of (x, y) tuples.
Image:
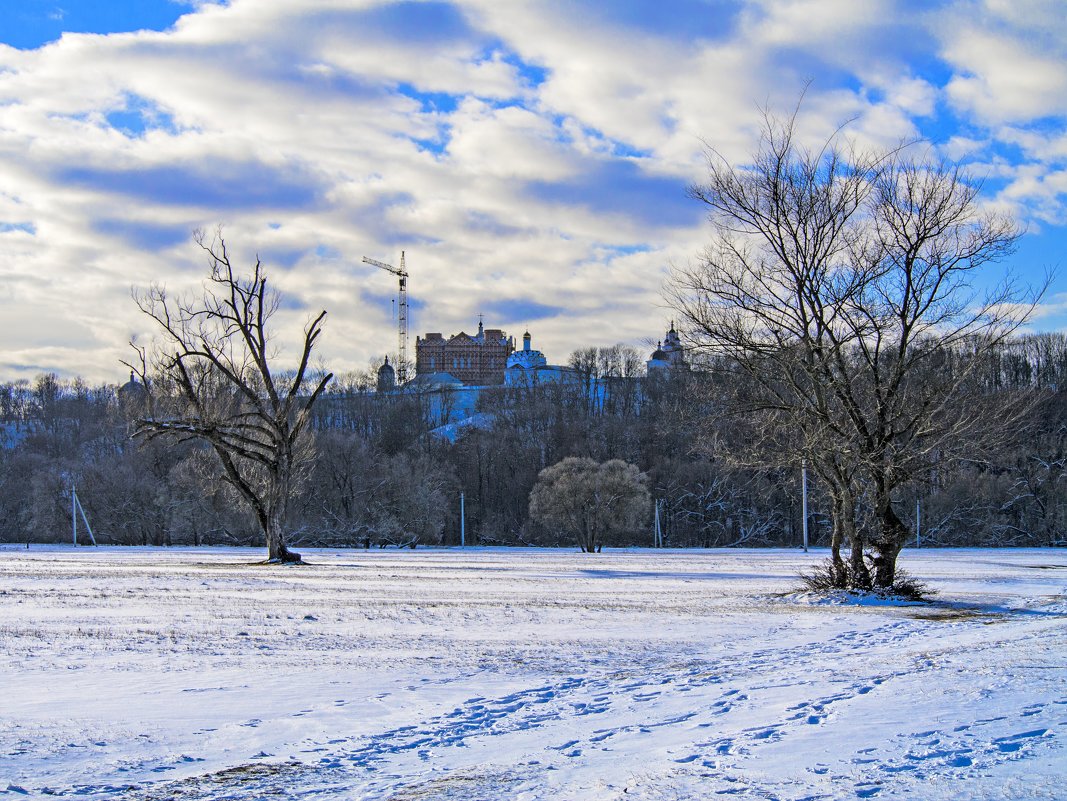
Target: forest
[(382, 474)]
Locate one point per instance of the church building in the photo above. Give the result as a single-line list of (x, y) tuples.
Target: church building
[(477, 360), (670, 355)]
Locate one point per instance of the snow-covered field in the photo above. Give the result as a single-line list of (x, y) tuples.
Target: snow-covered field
[(525, 674)]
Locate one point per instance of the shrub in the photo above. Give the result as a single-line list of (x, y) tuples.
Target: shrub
[(825, 577)]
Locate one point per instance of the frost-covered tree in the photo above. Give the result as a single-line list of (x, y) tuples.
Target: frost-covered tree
[(589, 501)]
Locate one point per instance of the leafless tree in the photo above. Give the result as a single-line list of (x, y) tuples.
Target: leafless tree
[(591, 501), (218, 384), (362, 495), (839, 285)]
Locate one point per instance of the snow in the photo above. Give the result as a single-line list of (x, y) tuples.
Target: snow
[(140, 673)]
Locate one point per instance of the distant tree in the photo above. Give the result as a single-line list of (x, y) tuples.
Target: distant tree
[(362, 496), (589, 501), (203, 509), (497, 468), (412, 503), (218, 384), (14, 401)]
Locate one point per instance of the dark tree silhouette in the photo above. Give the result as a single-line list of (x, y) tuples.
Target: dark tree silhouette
[(216, 383)]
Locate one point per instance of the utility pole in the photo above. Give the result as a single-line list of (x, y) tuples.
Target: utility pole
[(75, 508), (918, 525), (804, 500), (657, 533)]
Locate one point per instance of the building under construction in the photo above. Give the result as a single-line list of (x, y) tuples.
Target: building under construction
[(478, 360)]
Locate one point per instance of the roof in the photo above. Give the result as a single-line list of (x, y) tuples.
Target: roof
[(435, 381)]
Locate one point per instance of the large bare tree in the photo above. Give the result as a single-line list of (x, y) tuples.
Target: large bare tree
[(217, 382), (841, 285)]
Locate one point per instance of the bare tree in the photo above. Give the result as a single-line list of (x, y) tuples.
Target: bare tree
[(921, 337), (763, 300), (218, 384), (838, 286), (592, 502)]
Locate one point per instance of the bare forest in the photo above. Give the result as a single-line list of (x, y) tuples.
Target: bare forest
[(381, 474)]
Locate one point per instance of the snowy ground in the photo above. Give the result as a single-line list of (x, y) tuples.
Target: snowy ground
[(525, 674)]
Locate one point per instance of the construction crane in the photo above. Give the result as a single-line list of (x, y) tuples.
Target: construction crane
[(402, 313)]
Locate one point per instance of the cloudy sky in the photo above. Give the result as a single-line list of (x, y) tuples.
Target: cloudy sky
[(530, 157)]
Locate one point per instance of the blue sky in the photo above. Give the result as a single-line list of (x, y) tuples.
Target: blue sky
[(28, 24), (530, 157)]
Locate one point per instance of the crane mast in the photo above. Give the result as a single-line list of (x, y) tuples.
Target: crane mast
[(402, 313)]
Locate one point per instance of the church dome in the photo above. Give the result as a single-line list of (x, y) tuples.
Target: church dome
[(386, 377), (132, 390), (527, 358)]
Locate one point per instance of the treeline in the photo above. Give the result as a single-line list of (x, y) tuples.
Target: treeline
[(384, 473)]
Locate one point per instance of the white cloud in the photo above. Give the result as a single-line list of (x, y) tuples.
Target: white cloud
[(958, 148), (527, 150), (1043, 192), (1003, 79), (914, 96), (1043, 146), (834, 25), (1009, 59), (507, 143)]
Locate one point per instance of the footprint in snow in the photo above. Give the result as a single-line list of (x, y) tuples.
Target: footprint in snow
[(1014, 742), (764, 734), (724, 746), (898, 768)]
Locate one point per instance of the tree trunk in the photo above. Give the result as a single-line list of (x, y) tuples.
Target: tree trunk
[(892, 535), (855, 576), (837, 536), (586, 537), (861, 576), (277, 553)]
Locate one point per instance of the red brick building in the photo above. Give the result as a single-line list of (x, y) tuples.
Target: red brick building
[(475, 360)]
